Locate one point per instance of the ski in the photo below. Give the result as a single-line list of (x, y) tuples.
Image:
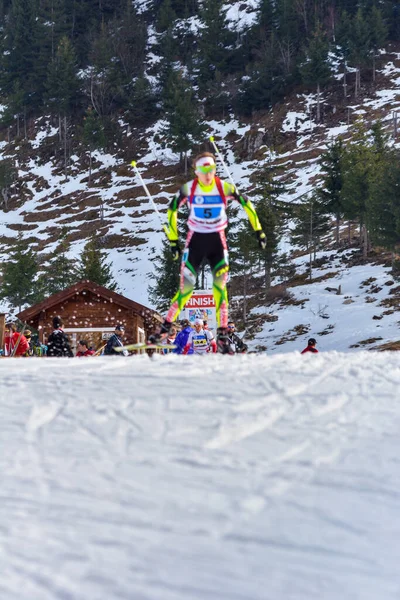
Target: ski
[(144, 346)]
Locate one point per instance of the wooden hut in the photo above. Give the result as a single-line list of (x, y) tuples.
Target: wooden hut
[(91, 312)]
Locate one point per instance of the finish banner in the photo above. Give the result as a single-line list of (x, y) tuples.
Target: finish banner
[(201, 306)]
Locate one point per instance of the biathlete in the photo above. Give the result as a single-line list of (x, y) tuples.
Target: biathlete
[(200, 340), (207, 197)]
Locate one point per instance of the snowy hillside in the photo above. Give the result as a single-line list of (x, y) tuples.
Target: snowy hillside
[(116, 207), (229, 478), (364, 315)]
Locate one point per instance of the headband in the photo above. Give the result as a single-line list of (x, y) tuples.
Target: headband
[(205, 161)]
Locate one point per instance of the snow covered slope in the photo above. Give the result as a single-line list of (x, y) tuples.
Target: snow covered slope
[(115, 206), (364, 315), (186, 478)]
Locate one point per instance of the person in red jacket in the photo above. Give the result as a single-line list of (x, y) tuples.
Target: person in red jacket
[(311, 347), (83, 349), (15, 344)]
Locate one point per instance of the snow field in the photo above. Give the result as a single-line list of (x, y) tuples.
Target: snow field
[(337, 322), (189, 478)]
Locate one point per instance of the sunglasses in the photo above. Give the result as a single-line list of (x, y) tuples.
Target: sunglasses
[(205, 168)]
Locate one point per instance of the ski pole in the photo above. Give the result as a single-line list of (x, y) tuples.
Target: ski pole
[(150, 197), (211, 138), (218, 153)]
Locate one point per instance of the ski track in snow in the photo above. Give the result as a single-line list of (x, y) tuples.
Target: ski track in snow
[(191, 478)]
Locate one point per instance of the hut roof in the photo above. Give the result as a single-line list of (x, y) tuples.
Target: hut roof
[(82, 286)]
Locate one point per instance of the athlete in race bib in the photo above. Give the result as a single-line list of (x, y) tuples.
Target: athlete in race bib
[(207, 197), (200, 340)]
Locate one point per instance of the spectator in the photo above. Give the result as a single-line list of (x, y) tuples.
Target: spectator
[(58, 342), (83, 349), (311, 347), (28, 335), (200, 341), (170, 339), (15, 343), (171, 336), (236, 343), (38, 349), (209, 335), (182, 337), (116, 341)]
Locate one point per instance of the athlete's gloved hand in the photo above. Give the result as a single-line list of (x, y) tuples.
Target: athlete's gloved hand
[(262, 239), (175, 249)]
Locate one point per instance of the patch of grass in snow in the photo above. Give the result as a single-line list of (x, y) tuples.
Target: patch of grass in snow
[(367, 342)]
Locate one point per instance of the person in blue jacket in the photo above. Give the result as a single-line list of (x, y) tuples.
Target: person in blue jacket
[(182, 337)]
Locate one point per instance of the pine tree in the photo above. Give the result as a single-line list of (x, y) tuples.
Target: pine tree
[(271, 214), (284, 267), (272, 224), (52, 26), (391, 14), (53, 22), (380, 139), (304, 220), (378, 34), (213, 39), (267, 82), (19, 274), (244, 254), (289, 26), (357, 164), (129, 38), (103, 79), (83, 18), (343, 37), (185, 126), (142, 103), (384, 202), (62, 90), (315, 70), (117, 61), (267, 16), (62, 80), (330, 192), (165, 278), (8, 174), (93, 135), (19, 82), (184, 9), (61, 271), (165, 16), (40, 290), (167, 49), (311, 223), (117, 57), (360, 46), (93, 266)]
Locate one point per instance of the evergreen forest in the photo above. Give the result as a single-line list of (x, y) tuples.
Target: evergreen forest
[(87, 64)]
